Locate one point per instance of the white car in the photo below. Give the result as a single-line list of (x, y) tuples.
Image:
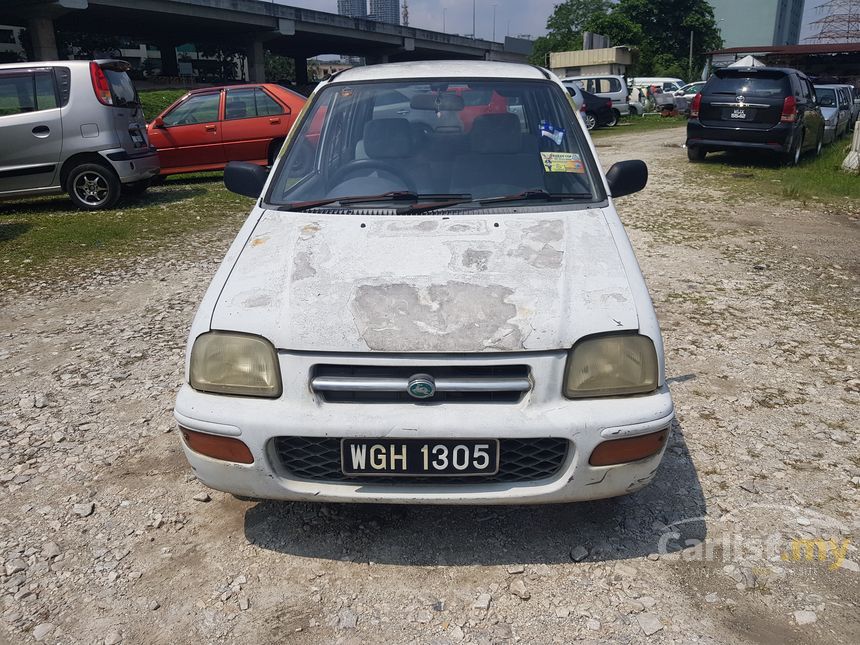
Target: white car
[(435, 307)]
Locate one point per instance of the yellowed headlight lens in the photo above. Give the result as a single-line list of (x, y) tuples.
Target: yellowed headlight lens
[(239, 364), (611, 366)]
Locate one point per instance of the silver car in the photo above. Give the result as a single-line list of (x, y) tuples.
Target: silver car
[(75, 127), (833, 101)]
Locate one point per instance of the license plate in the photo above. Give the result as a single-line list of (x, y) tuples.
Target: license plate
[(137, 138), (425, 457), (739, 114)]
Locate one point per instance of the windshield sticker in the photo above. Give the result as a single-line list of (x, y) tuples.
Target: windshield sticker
[(547, 129), (562, 162)]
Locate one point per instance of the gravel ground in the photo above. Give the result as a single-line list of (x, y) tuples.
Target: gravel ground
[(106, 536)]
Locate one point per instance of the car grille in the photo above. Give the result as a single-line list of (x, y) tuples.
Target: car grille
[(388, 384), (520, 460)]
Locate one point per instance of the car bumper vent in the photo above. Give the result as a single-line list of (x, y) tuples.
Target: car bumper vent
[(520, 460)]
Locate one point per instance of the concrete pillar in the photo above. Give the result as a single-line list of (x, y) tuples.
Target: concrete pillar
[(42, 36), (256, 62), (169, 64), (301, 64)]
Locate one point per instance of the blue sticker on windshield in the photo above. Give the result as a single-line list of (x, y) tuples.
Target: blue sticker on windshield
[(547, 129)]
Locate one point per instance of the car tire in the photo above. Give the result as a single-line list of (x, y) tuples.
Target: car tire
[(820, 144), (695, 154), (590, 119), (93, 186), (615, 116), (792, 157), (274, 149), (136, 188)]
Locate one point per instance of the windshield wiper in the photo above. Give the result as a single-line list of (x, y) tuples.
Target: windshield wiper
[(394, 196), (538, 193)]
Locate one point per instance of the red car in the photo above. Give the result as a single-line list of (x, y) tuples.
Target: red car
[(206, 128)]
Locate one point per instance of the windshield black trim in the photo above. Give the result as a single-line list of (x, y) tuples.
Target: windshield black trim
[(581, 136)]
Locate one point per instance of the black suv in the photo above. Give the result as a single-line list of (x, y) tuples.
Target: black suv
[(767, 108)]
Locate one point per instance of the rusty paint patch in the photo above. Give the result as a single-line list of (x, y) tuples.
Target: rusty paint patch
[(454, 316), (259, 241)]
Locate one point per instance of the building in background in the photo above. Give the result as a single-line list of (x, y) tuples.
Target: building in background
[(11, 49), (744, 23), (352, 8), (385, 11), (591, 62)]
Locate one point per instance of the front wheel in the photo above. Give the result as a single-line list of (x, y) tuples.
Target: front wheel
[(820, 144), (136, 188), (792, 157), (92, 186), (695, 154), (590, 119)]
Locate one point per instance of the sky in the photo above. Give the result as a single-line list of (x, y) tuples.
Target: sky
[(513, 17)]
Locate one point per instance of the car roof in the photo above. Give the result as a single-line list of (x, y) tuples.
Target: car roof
[(59, 63), (757, 70), (441, 69)]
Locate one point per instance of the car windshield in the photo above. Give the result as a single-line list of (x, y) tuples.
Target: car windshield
[(454, 142), (759, 85)]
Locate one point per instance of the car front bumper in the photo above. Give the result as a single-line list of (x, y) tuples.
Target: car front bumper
[(136, 166), (584, 423)]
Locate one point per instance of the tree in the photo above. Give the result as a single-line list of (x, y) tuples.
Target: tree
[(279, 68), (661, 29), (565, 27)]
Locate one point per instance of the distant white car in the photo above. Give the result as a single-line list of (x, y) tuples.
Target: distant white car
[(454, 316)]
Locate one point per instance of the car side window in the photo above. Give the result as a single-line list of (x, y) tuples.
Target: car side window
[(804, 91), (266, 105), (200, 108), (17, 94), (46, 93), (240, 104)]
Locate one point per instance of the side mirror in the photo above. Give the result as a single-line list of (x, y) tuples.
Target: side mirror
[(245, 178), (158, 122), (627, 177)]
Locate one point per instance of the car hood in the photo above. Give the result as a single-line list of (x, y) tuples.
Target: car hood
[(468, 283)]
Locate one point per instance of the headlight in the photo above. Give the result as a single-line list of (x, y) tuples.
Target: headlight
[(610, 366), (231, 363)]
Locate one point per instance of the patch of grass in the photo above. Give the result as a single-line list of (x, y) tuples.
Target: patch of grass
[(629, 124), (155, 101), (48, 235), (814, 179)]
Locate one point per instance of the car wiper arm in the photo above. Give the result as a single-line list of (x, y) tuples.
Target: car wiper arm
[(383, 197), (435, 200), (538, 193)]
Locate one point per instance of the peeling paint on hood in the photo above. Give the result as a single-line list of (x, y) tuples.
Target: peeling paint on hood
[(471, 283)]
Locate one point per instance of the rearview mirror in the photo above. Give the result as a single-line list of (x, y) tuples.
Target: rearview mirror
[(158, 122), (627, 177), (244, 178), (441, 102)]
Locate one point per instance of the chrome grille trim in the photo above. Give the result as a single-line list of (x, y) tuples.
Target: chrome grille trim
[(375, 384)]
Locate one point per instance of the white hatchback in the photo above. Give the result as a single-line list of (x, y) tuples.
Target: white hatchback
[(438, 305)]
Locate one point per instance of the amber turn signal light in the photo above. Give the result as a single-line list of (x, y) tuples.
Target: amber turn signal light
[(217, 447), (621, 451)]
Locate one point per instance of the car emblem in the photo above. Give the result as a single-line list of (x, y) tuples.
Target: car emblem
[(740, 99), (421, 386)]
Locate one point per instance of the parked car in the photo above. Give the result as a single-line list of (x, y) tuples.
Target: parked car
[(854, 102), (835, 109), (575, 91), (597, 111), (663, 83), (690, 90), (608, 86), (206, 128), (765, 108), (456, 321), (74, 127)]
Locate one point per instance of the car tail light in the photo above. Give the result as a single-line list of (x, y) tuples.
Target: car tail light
[(620, 451), (100, 84), (582, 107), (609, 103), (217, 447), (696, 105), (789, 110)]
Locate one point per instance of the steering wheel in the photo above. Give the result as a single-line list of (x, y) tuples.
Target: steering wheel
[(368, 165)]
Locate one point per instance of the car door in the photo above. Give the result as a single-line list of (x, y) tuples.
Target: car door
[(190, 136), (808, 112), (844, 109), (252, 119), (31, 129)]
